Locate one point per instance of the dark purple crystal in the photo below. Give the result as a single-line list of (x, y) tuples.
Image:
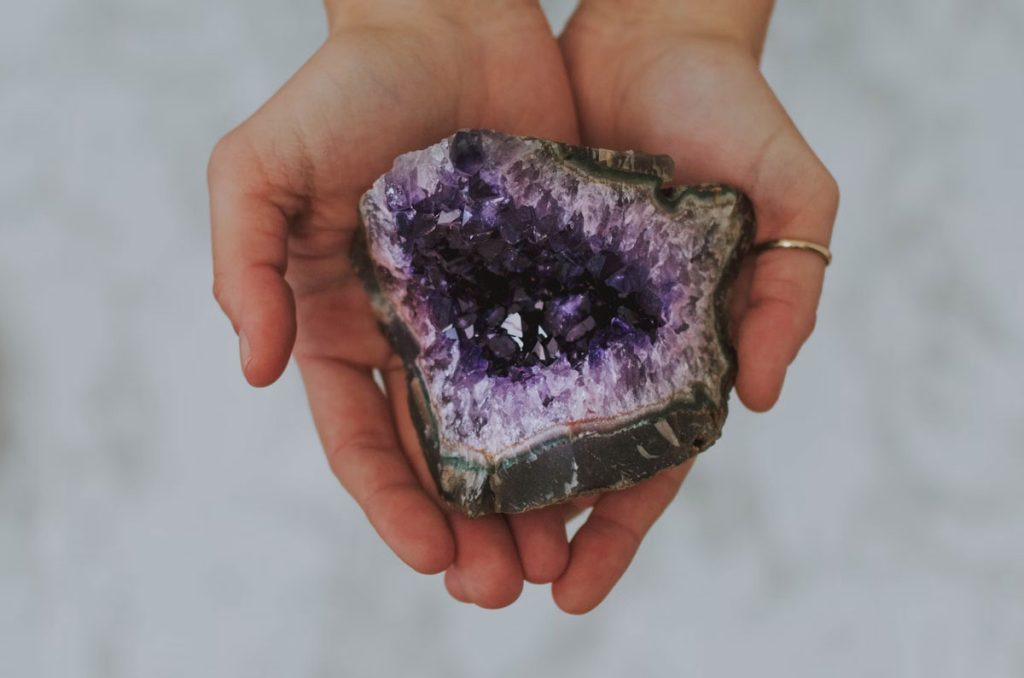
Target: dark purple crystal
[(466, 152), (567, 294)]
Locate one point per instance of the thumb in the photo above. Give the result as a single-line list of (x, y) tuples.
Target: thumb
[(250, 253)]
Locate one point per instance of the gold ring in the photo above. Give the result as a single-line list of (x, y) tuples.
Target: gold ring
[(790, 244)]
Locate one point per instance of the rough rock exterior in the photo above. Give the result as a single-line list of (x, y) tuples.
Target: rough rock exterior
[(560, 314)]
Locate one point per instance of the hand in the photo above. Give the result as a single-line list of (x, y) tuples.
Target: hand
[(682, 78), (284, 185)]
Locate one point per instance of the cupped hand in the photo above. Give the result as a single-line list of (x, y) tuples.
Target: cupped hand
[(284, 186), (680, 83)]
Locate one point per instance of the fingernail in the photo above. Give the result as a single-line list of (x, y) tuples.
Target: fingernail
[(243, 349)]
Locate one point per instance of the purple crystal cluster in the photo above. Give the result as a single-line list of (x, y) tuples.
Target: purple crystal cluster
[(560, 316), (518, 286)]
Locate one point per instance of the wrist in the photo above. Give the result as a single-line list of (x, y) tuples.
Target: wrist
[(743, 22)]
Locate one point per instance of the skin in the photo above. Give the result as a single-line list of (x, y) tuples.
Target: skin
[(682, 78), (396, 75)]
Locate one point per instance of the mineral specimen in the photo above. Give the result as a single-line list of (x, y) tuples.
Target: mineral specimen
[(559, 313)]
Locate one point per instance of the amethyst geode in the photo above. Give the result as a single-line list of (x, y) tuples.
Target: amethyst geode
[(559, 313)]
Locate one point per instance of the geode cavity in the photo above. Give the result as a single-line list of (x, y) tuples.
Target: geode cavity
[(559, 313)]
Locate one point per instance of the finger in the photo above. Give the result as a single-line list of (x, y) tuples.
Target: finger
[(739, 296), (779, 317), (356, 429), (605, 545), (785, 285), (397, 391), (486, 563), (335, 319), (249, 233), (541, 542), (453, 583)]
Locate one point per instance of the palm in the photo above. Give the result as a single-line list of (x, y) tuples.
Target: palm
[(356, 105), (704, 102), (285, 187)]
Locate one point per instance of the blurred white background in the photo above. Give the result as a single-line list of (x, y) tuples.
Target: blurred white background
[(159, 518)]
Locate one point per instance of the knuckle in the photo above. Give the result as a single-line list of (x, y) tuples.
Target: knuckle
[(220, 291), (791, 298), (223, 299), (807, 323), (615, 529), (829, 189), (382, 494), (223, 157), (370, 450), (361, 443)]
